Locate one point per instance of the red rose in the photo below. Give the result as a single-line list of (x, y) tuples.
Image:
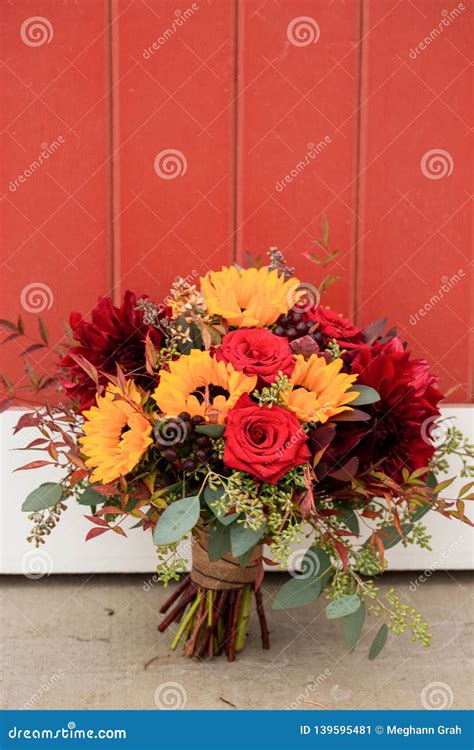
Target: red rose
[(257, 351), (263, 441), (334, 326)]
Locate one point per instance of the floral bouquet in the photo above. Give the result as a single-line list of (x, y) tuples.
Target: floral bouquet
[(251, 419)]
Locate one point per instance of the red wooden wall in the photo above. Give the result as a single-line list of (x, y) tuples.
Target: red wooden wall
[(179, 128)]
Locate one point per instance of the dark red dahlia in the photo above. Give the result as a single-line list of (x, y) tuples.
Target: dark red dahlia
[(397, 434), (115, 335)]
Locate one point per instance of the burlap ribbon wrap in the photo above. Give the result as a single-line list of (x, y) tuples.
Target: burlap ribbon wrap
[(226, 573)]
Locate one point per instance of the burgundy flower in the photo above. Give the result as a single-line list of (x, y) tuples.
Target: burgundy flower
[(257, 351), (115, 335), (397, 434), (265, 442)]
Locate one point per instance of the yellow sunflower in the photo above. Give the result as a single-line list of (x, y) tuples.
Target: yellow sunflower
[(249, 298), (318, 390), (117, 434), (199, 384)]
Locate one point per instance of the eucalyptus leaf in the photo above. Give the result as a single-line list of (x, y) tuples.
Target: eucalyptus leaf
[(342, 607), (367, 395), (379, 642), (211, 430), (219, 541), (316, 570), (352, 625), (243, 539), (297, 592), (90, 497), (44, 496), (351, 521), (177, 520)]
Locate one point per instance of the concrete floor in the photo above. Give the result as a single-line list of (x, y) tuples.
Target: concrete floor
[(91, 642)]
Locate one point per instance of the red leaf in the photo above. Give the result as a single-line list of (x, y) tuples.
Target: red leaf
[(342, 552), (96, 532), (26, 420), (34, 465), (97, 521), (105, 489), (77, 475)]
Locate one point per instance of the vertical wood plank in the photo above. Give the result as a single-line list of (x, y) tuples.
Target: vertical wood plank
[(298, 133), (54, 171), (173, 144), (415, 261)]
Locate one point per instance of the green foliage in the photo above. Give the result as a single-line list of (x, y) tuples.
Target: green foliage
[(219, 541), (273, 394), (378, 642), (352, 625), (316, 570), (454, 444), (44, 496), (90, 497), (367, 395), (243, 539), (342, 607), (178, 518)]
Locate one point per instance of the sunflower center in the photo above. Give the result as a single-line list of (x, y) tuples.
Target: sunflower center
[(207, 393)]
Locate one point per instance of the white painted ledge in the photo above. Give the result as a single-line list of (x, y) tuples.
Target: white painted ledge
[(66, 552)]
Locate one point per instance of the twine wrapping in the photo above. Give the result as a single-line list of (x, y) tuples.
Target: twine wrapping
[(226, 573)]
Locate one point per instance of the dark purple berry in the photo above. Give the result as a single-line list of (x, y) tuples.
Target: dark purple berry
[(302, 327), (279, 331), (201, 455), (296, 317), (283, 320), (170, 455), (189, 465), (184, 416), (197, 420), (292, 333), (203, 441)]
